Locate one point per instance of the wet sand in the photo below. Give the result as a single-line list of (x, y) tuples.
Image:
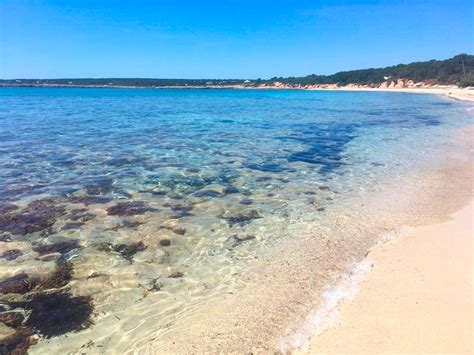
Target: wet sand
[(418, 297)]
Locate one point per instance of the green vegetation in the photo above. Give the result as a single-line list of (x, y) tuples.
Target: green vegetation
[(458, 70), (449, 71)]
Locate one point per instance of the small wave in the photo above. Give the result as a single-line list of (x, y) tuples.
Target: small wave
[(325, 315), (393, 234)]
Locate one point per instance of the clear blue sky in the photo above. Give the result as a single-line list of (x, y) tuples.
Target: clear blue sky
[(225, 39)]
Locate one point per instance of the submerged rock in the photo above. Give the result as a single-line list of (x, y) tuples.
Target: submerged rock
[(129, 209), (165, 242), (231, 190), (246, 201), (11, 254)]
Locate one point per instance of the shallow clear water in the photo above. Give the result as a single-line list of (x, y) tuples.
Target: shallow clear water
[(176, 192)]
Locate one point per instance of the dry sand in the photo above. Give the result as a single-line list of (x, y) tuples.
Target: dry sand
[(418, 297)]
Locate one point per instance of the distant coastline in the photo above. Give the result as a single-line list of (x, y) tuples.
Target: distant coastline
[(402, 85), (457, 71)]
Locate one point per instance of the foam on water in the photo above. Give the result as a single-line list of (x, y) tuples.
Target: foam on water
[(325, 315)]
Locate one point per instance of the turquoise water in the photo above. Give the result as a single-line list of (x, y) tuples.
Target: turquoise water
[(59, 141), (110, 194)]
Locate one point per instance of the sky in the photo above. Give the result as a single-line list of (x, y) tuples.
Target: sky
[(226, 38)]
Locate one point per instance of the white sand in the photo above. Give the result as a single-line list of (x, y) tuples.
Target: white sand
[(418, 298)]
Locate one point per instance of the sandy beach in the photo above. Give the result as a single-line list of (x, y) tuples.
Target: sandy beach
[(416, 299), (463, 94)]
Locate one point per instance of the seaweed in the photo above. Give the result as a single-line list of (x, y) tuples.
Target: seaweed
[(241, 218), (19, 342), (50, 311), (129, 208), (20, 283), (127, 251), (176, 275), (57, 313), (59, 247), (37, 216), (90, 200), (7, 207)]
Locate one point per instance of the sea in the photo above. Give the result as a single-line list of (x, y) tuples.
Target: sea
[(206, 221)]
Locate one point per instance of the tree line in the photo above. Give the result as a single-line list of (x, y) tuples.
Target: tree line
[(458, 70)]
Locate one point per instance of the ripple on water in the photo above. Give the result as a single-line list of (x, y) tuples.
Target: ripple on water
[(157, 209)]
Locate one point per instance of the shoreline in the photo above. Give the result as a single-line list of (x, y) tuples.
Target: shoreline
[(454, 92), (415, 297)]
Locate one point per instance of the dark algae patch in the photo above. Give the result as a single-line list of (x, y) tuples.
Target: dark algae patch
[(20, 283), (33, 305), (176, 275), (241, 218), (57, 313), (130, 208), (11, 254), (19, 342), (90, 200), (37, 216), (98, 186), (23, 283), (7, 207), (127, 251), (59, 247)]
